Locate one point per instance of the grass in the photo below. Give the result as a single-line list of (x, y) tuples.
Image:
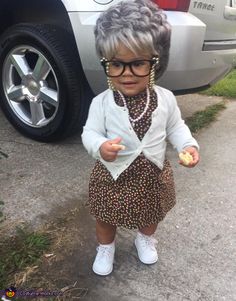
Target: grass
[(226, 87), (21, 251), (203, 118)]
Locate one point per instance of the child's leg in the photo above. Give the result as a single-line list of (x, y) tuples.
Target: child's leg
[(145, 244), (103, 263), (105, 232), (148, 230)]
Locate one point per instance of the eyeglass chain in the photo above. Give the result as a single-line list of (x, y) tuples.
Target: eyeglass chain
[(133, 120)]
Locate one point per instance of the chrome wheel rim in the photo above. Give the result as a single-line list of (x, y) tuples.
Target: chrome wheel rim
[(30, 86)]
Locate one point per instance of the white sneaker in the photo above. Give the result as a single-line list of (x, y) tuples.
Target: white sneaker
[(146, 249), (103, 263)]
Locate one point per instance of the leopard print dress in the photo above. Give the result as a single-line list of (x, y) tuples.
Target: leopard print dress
[(143, 194)]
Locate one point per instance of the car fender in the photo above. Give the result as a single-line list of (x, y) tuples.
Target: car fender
[(88, 5)]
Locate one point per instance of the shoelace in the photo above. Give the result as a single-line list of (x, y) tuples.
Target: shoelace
[(104, 251), (148, 241)]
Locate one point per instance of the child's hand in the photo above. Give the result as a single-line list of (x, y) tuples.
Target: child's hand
[(195, 156), (109, 149)]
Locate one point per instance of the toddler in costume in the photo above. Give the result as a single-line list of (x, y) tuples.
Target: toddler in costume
[(132, 182)]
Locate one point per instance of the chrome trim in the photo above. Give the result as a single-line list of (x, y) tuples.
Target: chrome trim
[(219, 45), (103, 2), (230, 13)]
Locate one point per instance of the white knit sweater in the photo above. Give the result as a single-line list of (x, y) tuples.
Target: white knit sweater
[(107, 120)]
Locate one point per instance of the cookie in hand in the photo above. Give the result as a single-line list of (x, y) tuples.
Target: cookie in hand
[(120, 146), (185, 158)]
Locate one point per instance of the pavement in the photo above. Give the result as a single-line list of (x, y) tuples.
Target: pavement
[(196, 241)]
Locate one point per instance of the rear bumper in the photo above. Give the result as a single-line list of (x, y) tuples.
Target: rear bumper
[(189, 66)]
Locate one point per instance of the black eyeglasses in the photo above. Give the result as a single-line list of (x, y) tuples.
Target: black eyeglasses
[(140, 68)]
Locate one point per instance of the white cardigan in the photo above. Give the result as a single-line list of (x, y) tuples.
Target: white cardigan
[(107, 120)]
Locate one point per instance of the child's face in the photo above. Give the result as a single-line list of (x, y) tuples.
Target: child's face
[(129, 84)]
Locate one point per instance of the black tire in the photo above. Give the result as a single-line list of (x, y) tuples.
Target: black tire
[(44, 121)]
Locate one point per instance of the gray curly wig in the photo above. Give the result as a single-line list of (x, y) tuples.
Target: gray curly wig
[(138, 24)]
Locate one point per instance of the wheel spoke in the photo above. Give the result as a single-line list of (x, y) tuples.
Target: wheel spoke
[(21, 64), (49, 96), (41, 69), (16, 93), (37, 113)]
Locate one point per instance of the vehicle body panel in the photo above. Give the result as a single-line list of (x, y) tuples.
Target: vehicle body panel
[(88, 5), (215, 14)]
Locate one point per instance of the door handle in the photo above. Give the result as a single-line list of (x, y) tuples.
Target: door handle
[(230, 13)]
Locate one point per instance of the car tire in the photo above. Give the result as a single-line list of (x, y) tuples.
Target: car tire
[(42, 84)]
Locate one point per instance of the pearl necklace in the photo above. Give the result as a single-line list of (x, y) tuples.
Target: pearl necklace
[(132, 120)]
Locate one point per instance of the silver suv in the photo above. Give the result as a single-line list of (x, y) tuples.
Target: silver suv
[(49, 71)]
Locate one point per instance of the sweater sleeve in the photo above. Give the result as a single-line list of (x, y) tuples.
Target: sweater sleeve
[(94, 132), (178, 132)]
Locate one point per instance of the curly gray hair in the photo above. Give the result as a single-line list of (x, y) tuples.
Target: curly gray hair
[(140, 25)]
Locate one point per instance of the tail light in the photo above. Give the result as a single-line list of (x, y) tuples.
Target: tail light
[(180, 5)]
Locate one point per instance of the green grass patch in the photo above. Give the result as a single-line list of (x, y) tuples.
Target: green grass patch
[(19, 252), (225, 87), (203, 118)]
